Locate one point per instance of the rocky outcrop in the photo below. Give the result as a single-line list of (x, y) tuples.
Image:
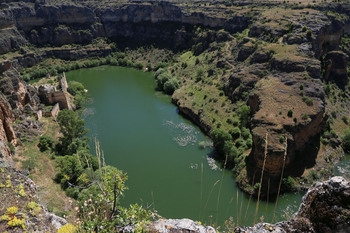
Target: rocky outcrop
[(285, 106), (180, 226), (67, 23), (7, 134), (325, 208), (22, 193)]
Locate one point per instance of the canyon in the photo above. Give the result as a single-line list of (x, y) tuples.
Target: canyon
[(279, 66)]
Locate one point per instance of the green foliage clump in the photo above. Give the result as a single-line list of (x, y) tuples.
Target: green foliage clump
[(222, 141), (346, 140), (244, 115), (235, 132), (290, 113), (308, 101), (170, 86), (289, 182), (45, 143), (72, 128), (165, 82), (75, 88)]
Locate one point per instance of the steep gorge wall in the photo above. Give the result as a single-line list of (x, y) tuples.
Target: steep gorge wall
[(66, 23)]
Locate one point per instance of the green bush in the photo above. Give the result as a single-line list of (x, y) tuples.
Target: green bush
[(314, 175), (309, 33), (170, 86), (308, 101), (346, 140), (222, 141), (289, 182), (244, 115), (161, 80), (245, 133), (235, 133), (290, 113), (45, 143), (75, 88)]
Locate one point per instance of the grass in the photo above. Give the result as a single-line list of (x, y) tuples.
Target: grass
[(43, 171)]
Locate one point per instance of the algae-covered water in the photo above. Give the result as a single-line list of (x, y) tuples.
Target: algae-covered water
[(142, 133)]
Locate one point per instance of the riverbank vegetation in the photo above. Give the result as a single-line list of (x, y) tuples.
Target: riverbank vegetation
[(195, 81)]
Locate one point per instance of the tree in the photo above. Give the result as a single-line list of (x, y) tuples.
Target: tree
[(346, 140), (72, 127), (170, 86), (75, 88), (244, 115), (45, 143), (221, 139)]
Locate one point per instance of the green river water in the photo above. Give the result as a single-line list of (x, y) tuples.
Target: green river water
[(142, 133)]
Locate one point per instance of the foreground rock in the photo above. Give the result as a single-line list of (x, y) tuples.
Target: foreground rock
[(20, 194), (180, 225), (325, 208)]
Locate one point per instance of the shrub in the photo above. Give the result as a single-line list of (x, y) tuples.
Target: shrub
[(75, 88), (314, 175), (290, 113), (308, 101), (138, 66), (170, 86), (346, 140), (161, 80), (240, 143), (345, 119), (244, 115), (245, 133), (199, 74), (221, 140), (159, 72), (235, 133), (45, 143), (309, 33), (289, 182)]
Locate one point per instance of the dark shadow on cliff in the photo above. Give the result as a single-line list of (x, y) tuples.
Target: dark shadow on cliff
[(304, 159)]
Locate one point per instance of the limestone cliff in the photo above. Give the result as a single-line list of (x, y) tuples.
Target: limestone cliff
[(325, 208)]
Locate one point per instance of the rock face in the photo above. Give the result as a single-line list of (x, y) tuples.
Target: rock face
[(325, 208), (179, 225), (7, 135), (299, 120), (37, 219), (142, 21)]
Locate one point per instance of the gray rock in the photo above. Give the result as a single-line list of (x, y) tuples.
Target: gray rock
[(57, 222), (180, 225)]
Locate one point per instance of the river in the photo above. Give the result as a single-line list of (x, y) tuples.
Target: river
[(142, 133)]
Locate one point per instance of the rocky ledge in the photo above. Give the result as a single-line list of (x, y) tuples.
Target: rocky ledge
[(325, 208)]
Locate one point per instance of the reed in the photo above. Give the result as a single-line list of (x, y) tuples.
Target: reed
[(250, 198), (237, 208), (201, 192), (279, 186), (211, 191), (240, 212), (218, 199), (261, 180), (268, 195)]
